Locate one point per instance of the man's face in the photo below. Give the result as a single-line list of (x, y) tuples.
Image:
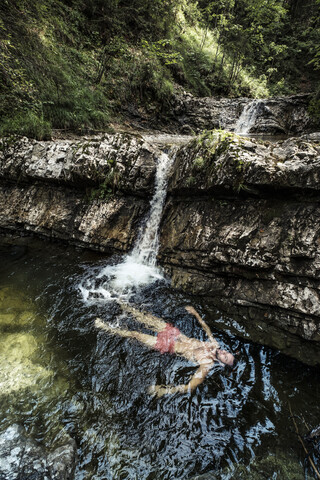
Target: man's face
[(225, 357)]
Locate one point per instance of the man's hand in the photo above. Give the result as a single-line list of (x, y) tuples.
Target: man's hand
[(99, 323)]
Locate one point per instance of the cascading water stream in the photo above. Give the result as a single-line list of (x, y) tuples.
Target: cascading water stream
[(247, 118), (147, 245), (139, 267)]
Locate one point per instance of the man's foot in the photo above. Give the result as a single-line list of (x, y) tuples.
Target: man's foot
[(99, 323)]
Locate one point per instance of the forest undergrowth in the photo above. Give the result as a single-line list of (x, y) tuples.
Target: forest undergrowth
[(77, 65)]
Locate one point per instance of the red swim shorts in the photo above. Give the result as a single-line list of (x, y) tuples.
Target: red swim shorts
[(166, 339)]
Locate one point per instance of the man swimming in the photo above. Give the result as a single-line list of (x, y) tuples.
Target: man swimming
[(169, 339)]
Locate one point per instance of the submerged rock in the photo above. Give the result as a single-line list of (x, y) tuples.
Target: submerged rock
[(18, 368), (30, 380), (23, 458)]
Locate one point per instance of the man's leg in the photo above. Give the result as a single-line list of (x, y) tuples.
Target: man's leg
[(148, 340), (154, 323)]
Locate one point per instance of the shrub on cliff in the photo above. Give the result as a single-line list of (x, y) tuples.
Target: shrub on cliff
[(27, 124)]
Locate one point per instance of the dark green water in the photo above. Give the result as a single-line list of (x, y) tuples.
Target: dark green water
[(60, 375)]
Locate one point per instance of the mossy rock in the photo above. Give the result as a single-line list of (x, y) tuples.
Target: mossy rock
[(18, 363), (8, 319)]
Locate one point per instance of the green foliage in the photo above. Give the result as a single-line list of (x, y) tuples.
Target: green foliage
[(215, 141), (208, 147), (27, 124), (162, 50), (103, 192), (198, 163), (196, 62), (191, 181), (314, 107), (140, 75), (215, 150), (75, 63), (46, 71), (272, 40), (109, 186)]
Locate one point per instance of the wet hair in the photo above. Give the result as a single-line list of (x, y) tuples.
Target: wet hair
[(233, 366), (235, 362)]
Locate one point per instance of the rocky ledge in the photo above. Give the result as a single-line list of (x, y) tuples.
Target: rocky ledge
[(21, 457), (91, 193)]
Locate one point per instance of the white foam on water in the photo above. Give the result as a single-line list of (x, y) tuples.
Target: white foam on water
[(139, 267), (123, 277)]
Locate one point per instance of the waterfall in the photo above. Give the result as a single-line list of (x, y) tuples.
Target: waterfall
[(147, 245), (247, 118), (139, 267)]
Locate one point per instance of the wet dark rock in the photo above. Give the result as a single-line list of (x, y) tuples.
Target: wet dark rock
[(288, 115), (186, 130), (312, 442), (270, 466), (23, 458), (206, 113), (62, 461), (314, 434)]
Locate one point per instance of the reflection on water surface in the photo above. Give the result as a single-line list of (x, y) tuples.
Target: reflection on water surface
[(60, 374)]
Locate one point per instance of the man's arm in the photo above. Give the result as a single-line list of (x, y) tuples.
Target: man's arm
[(204, 325), (195, 381)]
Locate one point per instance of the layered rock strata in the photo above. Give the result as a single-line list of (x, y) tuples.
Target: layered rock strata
[(91, 193)]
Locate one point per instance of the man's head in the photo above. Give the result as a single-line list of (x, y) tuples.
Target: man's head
[(225, 357)]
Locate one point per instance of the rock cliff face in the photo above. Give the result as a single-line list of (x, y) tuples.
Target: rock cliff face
[(283, 115), (241, 225), (91, 193)]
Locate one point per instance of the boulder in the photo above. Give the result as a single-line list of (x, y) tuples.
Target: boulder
[(22, 457), (224, 163)]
